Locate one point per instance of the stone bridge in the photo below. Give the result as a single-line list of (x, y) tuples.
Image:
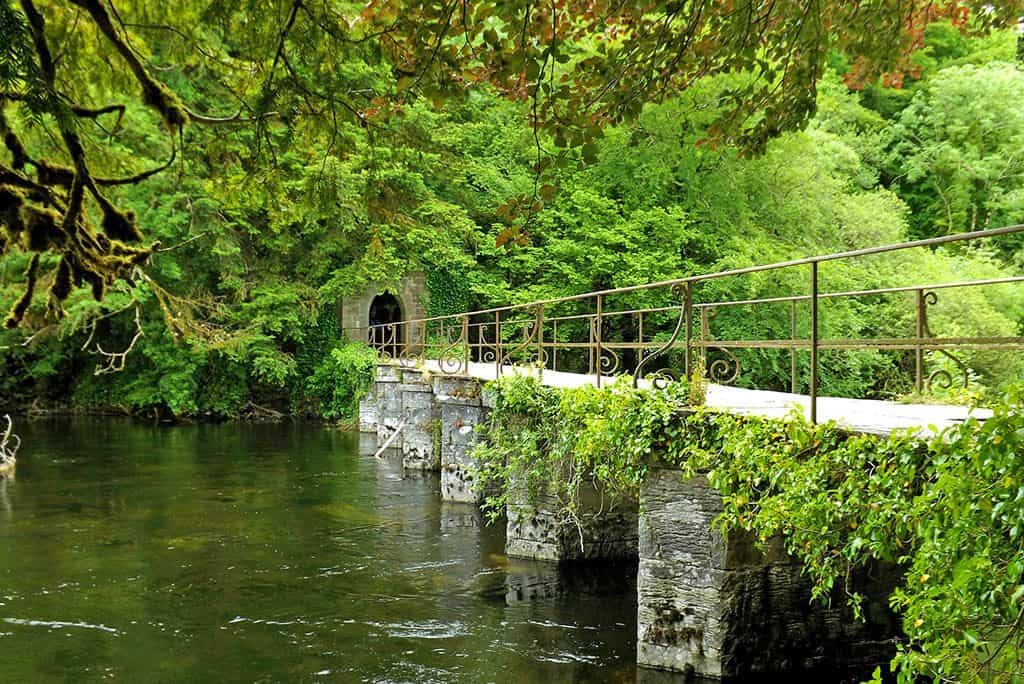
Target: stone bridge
[(712, 606), (708, 605)]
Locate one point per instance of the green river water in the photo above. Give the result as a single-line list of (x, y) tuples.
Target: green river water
[(223, 553)]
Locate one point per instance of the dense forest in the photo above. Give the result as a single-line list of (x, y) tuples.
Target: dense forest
[(260, 230)]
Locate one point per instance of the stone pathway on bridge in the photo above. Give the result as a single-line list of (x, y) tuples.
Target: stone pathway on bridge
[(860, 415)]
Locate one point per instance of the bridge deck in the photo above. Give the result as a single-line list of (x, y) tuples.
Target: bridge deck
[(861, 415)]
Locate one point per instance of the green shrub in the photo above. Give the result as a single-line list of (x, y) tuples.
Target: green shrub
[(341, 380)]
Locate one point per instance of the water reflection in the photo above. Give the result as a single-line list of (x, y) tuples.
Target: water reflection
[(5, 500)]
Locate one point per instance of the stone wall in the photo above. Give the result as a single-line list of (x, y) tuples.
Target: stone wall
[(719, 607), (354, 310)]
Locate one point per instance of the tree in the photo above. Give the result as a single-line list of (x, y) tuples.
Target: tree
[(73, 77), (956, 150), (585, 64)]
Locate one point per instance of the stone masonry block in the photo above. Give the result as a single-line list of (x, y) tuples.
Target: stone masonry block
[(421, 435), (723, 608), (604, 528)]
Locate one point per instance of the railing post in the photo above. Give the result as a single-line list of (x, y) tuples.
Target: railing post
[(540, 344), (554, 346), (793, 381), (640, 337), (498, 353), (814, 342), (465, 344), (918, 349), (705, 336), (688, 314), (597, 339)]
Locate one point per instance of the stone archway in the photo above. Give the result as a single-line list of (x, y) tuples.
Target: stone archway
[(409, 300), (384, 315)]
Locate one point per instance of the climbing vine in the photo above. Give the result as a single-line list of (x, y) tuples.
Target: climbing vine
[(449, 293), (947, 509)]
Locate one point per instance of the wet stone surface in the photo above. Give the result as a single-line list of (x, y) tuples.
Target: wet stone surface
[(606, 528), (459, 418), (419, 440)]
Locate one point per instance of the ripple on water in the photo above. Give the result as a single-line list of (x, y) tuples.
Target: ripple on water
[(57, 624), (428, 629)]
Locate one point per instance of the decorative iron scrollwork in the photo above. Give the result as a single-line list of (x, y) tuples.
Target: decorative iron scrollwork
[(383, 338), (488, 351), (724, 371), (452, 357), (609, 362), (941, 378), (412, 350), (680, 291), (661, 378), (532, 333)]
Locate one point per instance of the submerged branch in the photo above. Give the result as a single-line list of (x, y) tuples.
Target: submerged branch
[(7, 451)]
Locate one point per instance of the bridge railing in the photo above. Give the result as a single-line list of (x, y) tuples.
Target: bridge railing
[(666, 330)]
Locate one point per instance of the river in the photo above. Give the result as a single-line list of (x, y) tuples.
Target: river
[(266, 553)]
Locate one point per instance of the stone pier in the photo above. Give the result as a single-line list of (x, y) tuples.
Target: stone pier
[(440, 414), (461, 403), (721, 608), (383, 405), (604, 528), (421, 434)]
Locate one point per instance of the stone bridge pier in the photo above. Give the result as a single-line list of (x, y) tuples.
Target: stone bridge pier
[(720, 608)]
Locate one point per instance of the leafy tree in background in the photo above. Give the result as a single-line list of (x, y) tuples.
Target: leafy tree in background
[(330, 167), (283, 66), (957, 147)]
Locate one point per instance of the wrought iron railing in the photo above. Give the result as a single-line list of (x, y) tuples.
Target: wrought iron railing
[(625, 330)]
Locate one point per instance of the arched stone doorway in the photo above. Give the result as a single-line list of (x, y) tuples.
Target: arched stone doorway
[(385, 313), (406, 302)]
